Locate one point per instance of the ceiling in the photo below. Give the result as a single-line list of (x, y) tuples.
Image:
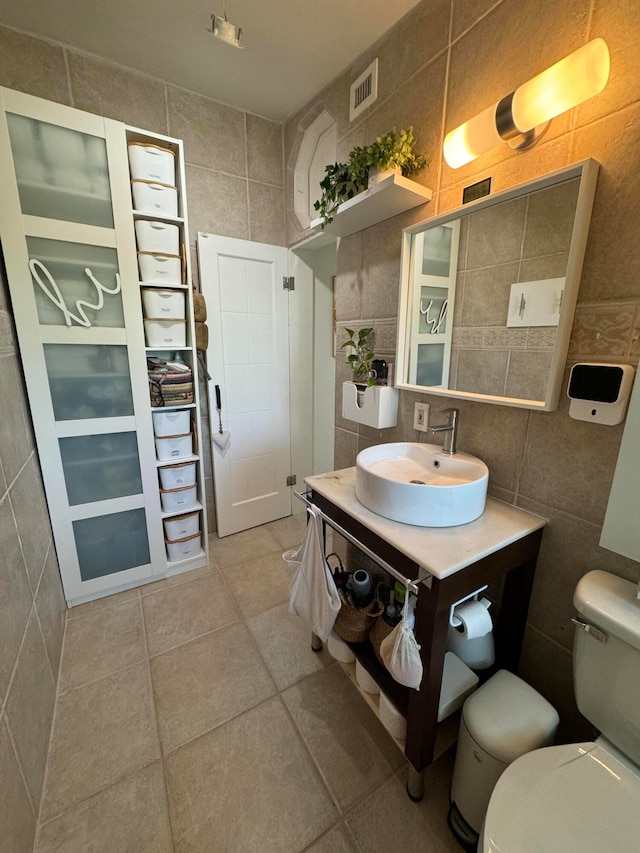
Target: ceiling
[(293, 48)]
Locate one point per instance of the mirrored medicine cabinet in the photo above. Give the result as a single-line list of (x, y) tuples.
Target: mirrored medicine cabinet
[(488, 292)]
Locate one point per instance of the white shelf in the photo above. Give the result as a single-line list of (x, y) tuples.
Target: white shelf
[(163, 285), (174, 220), (168, 349), (192, 458), (179, 563), (176, 406), (388, 198), (197, 506)]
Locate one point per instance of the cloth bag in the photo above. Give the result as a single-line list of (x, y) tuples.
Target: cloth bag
[(399, 651), (313, 593)]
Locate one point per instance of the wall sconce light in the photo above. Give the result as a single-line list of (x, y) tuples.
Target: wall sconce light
[(520, 119)]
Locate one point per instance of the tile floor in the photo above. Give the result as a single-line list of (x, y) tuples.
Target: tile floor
[(192, 716)]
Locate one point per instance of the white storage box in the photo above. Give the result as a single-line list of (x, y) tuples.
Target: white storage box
[(174, 447), (160, 199), (365, 681), (182, 549), (339, 650), (181, 474), (165, 332), (178, 500), (391, 718), (171, 423), (152, 163), (163, 303), (165, 269), (157, 237), (182, 526)]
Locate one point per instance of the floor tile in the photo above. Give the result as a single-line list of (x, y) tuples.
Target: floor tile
[(336, 841), (176, 580), (99, 603), (201, 684), (243, 546), (349, 745), (248, 786), (129, 817), (289, 532), (101, 642), (285, 644), (389, 820), (102, 732), (186, 611), (259, 585)]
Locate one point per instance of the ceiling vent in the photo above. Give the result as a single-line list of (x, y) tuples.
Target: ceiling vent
[(364, 91)]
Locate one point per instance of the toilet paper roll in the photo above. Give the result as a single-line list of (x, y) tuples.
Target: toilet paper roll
[(475, 619)]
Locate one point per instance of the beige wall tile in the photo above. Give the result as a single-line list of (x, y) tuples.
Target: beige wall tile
[(264, 151), (130, 816), (33, 66), (482, 371), (15, 437), (495, 234), (181, 613), (350, 279), (102, 642), (15, 594), (266, 214), (103, 732), (18, 822), (213, 133), (30, 511), (551, 266), (29, 708), (339, 729), (346, 449), (467, 12), (602, 330), (52, 610), (569, 464), (486, 294), (202, 684), (381, 253), (550, 217), (109, 90), (267, 751), (528, 375), (217, 204)]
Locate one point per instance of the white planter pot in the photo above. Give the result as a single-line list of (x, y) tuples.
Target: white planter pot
[(376, 175)]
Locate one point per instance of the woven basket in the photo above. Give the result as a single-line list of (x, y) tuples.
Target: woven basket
[(379, 630), (354, 623)]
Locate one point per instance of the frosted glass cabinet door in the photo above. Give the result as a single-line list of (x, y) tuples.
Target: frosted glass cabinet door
[(61, 173), (63, 273), (88, 381), (108, 544), (100, 467)]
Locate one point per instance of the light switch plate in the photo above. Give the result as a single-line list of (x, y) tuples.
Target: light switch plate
[(421, 417)]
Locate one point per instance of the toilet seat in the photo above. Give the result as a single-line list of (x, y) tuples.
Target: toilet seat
[(564, 798)]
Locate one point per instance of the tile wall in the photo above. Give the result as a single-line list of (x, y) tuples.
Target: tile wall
[(442, 63), (235, 173)]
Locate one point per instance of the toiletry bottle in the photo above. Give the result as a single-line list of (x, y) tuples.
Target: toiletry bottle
[(400, 591)]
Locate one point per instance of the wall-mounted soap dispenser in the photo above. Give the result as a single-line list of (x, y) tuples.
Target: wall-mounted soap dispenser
[(600, 392), (376, 406)]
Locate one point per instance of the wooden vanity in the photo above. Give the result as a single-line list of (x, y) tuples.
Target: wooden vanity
[(448, 563)]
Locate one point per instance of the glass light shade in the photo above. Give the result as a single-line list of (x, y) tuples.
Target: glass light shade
[(472, 139), (570, 82)]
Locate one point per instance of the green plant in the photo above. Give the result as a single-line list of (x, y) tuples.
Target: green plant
[(360, 358), (337, 186), (390, 151)]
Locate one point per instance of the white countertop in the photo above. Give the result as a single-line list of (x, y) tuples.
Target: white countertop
[(441, 551)]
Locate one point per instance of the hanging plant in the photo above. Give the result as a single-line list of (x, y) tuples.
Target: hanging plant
[(392, 151), (362, 355), (337, 186)]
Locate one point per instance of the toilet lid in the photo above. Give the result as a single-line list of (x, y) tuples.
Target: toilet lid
[(563, 798)]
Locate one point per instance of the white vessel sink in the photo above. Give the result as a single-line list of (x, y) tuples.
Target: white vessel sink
[(420, 484)]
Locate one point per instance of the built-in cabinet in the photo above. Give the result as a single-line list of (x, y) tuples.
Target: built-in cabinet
[(69, 246)]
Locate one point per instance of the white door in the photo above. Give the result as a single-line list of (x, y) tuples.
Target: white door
[(248, 358)]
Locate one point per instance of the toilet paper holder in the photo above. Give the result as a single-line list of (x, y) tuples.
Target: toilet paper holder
[(454, 621)]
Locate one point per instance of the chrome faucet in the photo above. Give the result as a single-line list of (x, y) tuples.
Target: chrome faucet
[(450, 428)]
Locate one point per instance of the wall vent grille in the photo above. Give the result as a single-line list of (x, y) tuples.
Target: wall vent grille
[(363, 91)]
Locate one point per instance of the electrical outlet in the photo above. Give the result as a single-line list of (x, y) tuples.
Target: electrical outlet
[(421, 417)]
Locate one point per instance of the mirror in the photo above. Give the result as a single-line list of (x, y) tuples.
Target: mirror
[(488, 292)]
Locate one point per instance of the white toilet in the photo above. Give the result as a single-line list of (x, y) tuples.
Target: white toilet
[(585, 796)]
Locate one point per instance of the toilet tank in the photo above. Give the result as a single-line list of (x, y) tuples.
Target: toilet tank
[(606, 661)]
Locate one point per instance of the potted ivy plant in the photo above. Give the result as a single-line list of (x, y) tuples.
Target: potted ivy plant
[(392, 152), (337, 186), (360, 358)]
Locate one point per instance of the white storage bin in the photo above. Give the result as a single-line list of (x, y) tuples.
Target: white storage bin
[(166, 269), (182, 549), (174, 447), (391, 718), (178, 500), (163, 303), (157, 237), (165, 332), (152, 163), (364, 680), (160, 199), (182, 526), (171, 423), (181, 474), (339, 650)]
